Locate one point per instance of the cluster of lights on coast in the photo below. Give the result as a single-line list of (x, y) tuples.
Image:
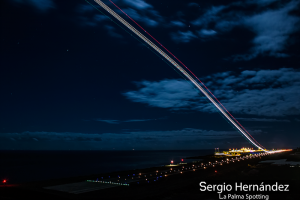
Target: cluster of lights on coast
[(180, 168), (239, 152)]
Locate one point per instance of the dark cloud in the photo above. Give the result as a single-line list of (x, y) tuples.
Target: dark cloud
[(241, 93), (50, 136), (138, 4), (110, 121), (172, 94), (41, 5), (142, 17), (203, 21), (207, 33), (192, 4), (210, 15), (138, 120), (88, 16), (261, 2), (141, 11), (178, 23), (100, 18), (169, 139), (263, 120), (183, 37), (112, 31), (272, 26), (148, 138), (85, 8), (189, 133), (137, 10)]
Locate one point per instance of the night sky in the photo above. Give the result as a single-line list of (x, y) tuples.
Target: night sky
[(70, 78)]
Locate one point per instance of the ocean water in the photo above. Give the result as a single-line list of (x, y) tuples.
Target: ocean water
[(26, 166)]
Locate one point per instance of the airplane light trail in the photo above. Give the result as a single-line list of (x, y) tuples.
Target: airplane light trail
[(185, 73), (188, 70)]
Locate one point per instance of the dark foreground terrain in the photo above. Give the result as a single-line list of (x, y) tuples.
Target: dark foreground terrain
[(179, 185)]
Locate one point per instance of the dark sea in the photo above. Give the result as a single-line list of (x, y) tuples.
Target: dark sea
[(26, 166)]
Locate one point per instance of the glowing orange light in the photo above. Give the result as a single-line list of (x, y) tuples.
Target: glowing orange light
[(4, 181)]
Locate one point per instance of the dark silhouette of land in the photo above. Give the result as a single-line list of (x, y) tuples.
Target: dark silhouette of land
[(176, 186)]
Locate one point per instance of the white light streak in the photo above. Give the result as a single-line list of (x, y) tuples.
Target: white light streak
[(120, 19)]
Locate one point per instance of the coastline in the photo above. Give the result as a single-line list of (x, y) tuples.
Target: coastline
[(177, 186)]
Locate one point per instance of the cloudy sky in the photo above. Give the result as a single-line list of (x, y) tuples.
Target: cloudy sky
[(71, 78)]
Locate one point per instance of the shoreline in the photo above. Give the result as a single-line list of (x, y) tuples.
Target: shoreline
[(187, 182), (44, 166)]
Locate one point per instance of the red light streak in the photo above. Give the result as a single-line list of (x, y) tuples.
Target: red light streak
[(189, 71), (124, 22)]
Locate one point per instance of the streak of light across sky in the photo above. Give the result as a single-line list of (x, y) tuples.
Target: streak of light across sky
[(184, 72)]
